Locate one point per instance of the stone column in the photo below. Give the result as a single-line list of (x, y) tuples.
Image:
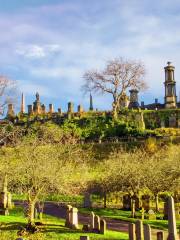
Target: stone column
[(147, 232), (139, 230), (172, 231), (132, 231)]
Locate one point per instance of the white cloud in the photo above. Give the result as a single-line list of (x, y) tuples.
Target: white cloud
[(34, 51)]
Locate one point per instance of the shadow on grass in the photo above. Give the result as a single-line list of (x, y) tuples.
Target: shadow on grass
[(12, 226)]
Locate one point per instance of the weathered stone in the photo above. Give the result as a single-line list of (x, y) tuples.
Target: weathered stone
[(68, 216), (139, 230), (84, 237), (172, 231), (132, 231), (147, 232), (92, 216), (160, 235), (87, 200), (74, 218), (102, 226), (97, 223)]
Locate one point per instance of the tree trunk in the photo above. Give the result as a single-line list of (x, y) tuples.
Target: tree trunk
[(105, 200), (31, 213), (157, 202)]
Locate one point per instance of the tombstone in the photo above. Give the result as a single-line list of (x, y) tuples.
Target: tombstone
[(51, 108), (68, 215), (92, 216), (133, 211), (132, 231), (172, 231), (84, 237), (87, 200), (146, 202), (147, 232), (172, 121), (127, 202), (103, 226), (160, 235), (151, 215), (139, 230), (165, 211), (30, 109), (74, 218), (97, 223)]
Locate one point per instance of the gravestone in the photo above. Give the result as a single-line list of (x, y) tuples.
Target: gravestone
[(151, 215), (84, 237), (103, 226), (172, 121), (139, 230), (74, 218), (68, 216), (92, 216), (97, 223), (146, 202), (172, 231), (132, 231), (127, 202), (160, 235), (147, 232), (87, 200)]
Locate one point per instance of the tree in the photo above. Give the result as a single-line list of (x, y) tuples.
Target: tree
[(7, 92), (118, 76)]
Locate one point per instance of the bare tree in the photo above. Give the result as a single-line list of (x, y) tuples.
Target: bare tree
[(7, 92), (118, 76)]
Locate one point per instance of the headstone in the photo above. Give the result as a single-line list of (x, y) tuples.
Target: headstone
[(151, 215), (87, 200), (139, 230), (74, 218), (172, 231), (68, 215), (147, 232), (102, 226), (160, 235), (146, 202), (172, 121), (84, 237), (132, 231), (97, 223), (92, 216), (127, 202)]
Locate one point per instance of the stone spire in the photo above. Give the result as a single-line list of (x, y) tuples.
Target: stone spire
[(22, 103), (91, 103), (170, 87)]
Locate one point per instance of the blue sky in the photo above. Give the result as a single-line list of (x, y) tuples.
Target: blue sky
[(47, 45)]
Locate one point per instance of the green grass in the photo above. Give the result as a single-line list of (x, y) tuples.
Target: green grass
[(125, 216), (53, 228)]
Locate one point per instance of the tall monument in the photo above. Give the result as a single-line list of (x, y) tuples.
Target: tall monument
[(170, 87), (22, 104)]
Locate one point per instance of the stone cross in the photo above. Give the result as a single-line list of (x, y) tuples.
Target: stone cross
[(132, 231), (139, 230), (172, 231), (147, 232), (102, 226)]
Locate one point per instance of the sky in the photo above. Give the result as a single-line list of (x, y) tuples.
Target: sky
[(47, 45)]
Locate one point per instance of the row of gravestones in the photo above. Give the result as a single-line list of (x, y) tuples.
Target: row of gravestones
[(96, 225), (139, 232)]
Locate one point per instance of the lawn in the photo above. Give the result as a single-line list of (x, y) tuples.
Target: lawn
[(125, 216), (53, 228)]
